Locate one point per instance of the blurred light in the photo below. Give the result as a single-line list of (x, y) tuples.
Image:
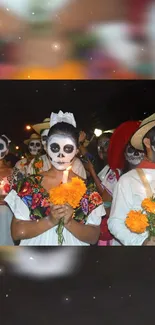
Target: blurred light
[(28, 127), (17, 148), (22, 157), (109, 131), (97, 132), (35, 264)]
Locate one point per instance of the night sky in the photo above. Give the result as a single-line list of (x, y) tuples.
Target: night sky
[(101, 104), (113, 286)]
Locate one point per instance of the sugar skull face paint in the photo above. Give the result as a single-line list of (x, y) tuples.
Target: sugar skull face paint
[(133, 156), (61, 150), (34, 147), (44, 135), (4, 147)]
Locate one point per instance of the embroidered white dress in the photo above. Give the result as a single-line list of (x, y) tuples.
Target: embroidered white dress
[(50, 237), (128, 195)]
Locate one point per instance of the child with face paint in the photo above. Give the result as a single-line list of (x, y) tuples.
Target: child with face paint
[(43, 130), (5, 184), (61, 148)]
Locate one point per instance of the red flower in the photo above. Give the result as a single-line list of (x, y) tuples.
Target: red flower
[(45, 203), (26, 190), (91, 207), (95, 198), (36, 200), (47, 212), (6, 188)]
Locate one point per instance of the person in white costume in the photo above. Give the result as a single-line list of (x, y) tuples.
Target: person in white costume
[(33, 230), (25, 166), (132, 187), (42, 129)]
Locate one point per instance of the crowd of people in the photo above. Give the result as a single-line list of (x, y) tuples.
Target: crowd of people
[(59, 155)]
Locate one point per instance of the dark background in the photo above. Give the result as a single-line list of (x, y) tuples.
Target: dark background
[(101, 104), (122, 281)]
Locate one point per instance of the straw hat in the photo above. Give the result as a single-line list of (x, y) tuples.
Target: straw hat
[(33, 136), (118, 143), (145, 126), (42, 126)]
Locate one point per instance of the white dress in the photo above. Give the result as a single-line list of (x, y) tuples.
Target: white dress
[(50, 237), (128, 195)]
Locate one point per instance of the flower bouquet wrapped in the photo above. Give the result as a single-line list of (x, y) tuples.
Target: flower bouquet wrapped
[(143, 220)]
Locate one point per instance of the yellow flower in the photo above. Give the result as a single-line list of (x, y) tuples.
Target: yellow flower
[(148, 205), (136, 221), (70, 193)]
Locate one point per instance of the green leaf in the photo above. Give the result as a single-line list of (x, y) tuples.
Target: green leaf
[(37, 212)]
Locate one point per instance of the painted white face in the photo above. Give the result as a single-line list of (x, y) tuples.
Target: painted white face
[(61, 150), (35, 147), (3, 149), (133, 156), (44, 135)]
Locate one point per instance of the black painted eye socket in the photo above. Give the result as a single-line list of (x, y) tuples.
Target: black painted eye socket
[(44, 137), (55, 147), (68, 148), (1, 146), (31, 144), (131, 150), (38, 145)]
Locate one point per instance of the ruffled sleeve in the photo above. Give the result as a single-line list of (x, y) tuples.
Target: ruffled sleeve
[(18, 207)]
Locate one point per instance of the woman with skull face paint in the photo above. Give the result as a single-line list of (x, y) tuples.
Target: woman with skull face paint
[(43, 129), (35, 230), (5, 184)]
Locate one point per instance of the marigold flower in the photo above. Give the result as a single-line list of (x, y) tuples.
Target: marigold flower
[(136, 221), (148, 205), (70, 193), (39, 164)]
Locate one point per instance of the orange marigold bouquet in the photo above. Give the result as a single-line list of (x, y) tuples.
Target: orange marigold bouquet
[(68, 193), (140, 221)]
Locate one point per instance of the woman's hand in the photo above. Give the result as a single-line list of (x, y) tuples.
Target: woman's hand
[(68, 213), (57, 213), (61, 211)]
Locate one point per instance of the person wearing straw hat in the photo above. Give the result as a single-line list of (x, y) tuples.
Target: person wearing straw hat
[(42, 129), (24, 166), (133, 187)]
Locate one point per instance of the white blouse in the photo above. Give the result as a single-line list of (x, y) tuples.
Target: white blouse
[(128, 195)]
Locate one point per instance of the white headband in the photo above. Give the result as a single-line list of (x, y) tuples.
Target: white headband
[(62, 117), (9, 141)]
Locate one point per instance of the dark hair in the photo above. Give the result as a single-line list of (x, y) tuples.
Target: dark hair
[(66, 130), (149, 135), (105, 135)]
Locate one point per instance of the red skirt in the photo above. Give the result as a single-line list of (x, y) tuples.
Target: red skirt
[(105, 234)]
